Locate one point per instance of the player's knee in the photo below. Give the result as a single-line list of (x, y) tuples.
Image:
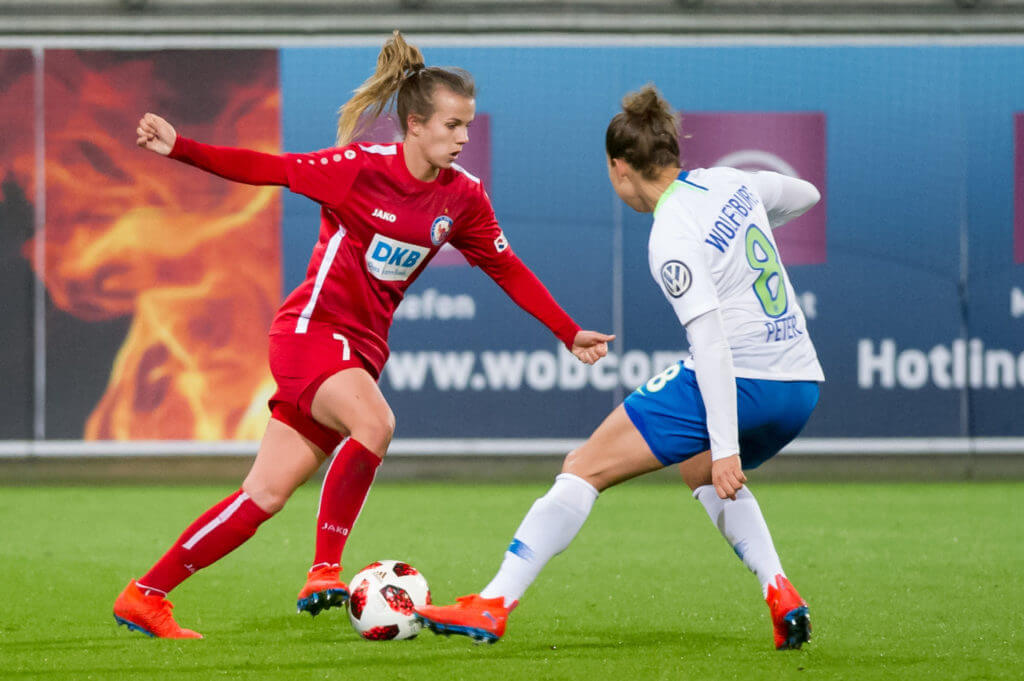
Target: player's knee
[(374, 430), (268, 497), (696, 471), (586, 468)]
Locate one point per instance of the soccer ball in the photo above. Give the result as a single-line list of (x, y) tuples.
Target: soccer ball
[(382, 596)]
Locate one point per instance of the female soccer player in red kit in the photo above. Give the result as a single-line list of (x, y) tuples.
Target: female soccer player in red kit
[(386, 211)]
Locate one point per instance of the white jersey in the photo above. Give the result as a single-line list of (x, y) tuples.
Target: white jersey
[(711, 247)]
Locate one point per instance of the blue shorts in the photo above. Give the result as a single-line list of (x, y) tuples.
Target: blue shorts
[(669, 413)]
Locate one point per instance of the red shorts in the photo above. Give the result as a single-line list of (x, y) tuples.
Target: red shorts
[(300, 363)]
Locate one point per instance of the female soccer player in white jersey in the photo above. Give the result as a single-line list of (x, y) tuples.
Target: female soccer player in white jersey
[(387, 209), (746, 390)]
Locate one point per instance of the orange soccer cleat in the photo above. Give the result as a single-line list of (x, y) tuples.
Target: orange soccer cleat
[(323, 590), (790, 616), (481, 619), (149, 614)]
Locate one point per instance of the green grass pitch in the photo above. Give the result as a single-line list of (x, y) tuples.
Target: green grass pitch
[(905, 581)]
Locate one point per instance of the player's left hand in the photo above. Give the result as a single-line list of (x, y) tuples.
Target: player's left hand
[(727, 476), (590, 346)]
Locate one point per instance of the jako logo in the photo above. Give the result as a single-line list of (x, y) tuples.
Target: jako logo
[(343, 531), (393, 260), (383, 215)]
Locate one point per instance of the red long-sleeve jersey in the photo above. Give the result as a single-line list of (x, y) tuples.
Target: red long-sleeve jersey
[(379, 228)]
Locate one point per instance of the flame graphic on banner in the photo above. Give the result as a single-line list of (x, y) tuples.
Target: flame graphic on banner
[(194, 259)]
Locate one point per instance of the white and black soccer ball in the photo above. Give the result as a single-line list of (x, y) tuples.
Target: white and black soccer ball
[(382, 597)]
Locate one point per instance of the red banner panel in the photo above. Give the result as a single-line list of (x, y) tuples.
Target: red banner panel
[(791, 143)]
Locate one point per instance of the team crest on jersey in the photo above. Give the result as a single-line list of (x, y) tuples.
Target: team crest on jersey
[(440, 228), (676, 277)]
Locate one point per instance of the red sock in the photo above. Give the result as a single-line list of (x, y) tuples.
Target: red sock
[(212, 536), (341, 498)]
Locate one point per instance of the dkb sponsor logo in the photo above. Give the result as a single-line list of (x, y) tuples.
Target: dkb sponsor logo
[(393, 260)]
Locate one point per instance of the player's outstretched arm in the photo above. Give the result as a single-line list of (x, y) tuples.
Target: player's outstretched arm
[(239, 165), (156, 134)]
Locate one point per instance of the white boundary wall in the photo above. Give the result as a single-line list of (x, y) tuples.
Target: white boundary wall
[(1009, 36), (152, 17), (29, 449)]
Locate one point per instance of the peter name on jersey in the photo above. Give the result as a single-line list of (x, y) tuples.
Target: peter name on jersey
[(781, 329), (728, 222)]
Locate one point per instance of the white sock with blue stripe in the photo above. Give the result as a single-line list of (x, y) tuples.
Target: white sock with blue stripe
[(546, 531), (743, 526)]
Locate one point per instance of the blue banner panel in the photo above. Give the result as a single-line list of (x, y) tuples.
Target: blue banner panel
[(140, 290), (906, 272)]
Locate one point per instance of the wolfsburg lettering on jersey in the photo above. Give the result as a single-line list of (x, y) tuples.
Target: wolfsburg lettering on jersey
[(727, 226)]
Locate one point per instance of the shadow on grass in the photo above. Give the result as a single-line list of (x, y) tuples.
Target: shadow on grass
[(79, 643), (346, 651)]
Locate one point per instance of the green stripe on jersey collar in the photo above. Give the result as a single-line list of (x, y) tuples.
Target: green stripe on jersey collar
[(674, 187)]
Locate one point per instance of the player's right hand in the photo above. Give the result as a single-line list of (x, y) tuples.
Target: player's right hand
[(590, 346), (727, 476), (156, 134)]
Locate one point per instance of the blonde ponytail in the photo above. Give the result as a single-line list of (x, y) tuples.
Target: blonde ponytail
[(397, 60)]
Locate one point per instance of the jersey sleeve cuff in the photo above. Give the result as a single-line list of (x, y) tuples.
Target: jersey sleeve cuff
[(181, 148), (567, 333), (718, 453)]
